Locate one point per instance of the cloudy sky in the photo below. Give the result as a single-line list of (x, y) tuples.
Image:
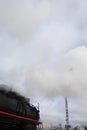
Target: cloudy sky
[(43, 54)]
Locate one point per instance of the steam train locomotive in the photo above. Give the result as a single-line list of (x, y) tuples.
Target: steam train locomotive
[(16, 112)]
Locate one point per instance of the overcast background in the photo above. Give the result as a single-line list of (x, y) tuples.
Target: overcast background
[(43, 55)]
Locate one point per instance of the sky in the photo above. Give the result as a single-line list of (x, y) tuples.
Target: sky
[(43, 55)]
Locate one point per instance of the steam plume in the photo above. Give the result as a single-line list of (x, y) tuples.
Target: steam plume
[(43, 47)]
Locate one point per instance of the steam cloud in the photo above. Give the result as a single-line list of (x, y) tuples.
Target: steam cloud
[(43, 47)]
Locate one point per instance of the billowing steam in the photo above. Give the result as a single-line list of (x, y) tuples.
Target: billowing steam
[(43, 47)]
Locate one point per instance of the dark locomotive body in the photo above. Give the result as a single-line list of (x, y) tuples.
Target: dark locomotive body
[(16, 112)]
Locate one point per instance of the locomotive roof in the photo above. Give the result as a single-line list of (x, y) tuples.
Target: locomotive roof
[(12, 94)]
